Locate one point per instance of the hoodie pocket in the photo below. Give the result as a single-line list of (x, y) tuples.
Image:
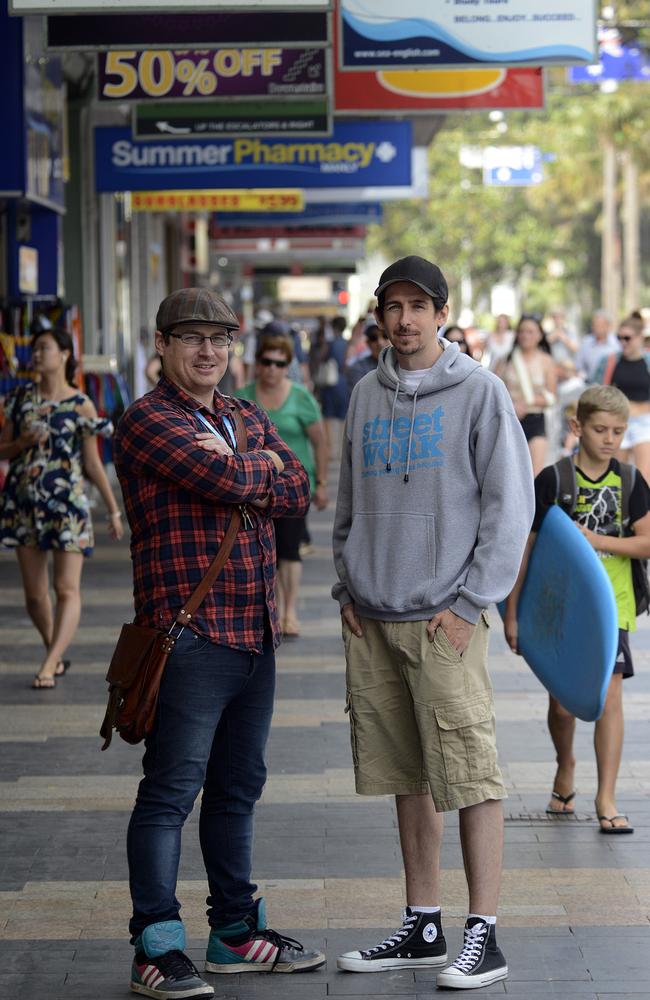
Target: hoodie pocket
[(390, 560)]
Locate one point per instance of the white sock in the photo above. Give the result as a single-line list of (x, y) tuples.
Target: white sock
[(425, 909), (481, 916)]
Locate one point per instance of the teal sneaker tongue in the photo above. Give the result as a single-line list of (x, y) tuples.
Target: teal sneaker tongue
[(261, 914), (166, 935)]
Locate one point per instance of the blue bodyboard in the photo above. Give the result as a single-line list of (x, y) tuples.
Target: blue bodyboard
[(567, 617)]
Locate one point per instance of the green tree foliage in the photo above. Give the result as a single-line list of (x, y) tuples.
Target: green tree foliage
[(491, 234)]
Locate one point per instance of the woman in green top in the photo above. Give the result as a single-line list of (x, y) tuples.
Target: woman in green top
[(296, 414)]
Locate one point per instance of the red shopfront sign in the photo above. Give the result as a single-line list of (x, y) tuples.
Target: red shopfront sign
[(395, 92)]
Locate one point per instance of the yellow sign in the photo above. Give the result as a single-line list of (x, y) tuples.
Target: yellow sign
[(441, 82), (247, 200)]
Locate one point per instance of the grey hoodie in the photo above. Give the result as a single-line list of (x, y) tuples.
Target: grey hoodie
[(435, 497)]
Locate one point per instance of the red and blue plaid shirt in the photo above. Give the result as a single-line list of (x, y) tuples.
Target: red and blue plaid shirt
[(178, 501)]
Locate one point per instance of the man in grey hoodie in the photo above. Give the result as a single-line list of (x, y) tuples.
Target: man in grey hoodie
[(434, 508)]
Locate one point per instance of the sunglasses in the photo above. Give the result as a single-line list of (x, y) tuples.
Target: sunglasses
[(625, 340), (267, 362)]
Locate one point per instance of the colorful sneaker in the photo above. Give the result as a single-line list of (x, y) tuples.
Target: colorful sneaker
[(480, 962), (418, 942), (250, 946), (160, 967)]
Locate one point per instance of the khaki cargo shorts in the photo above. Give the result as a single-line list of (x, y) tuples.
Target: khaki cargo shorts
[(421, 715)]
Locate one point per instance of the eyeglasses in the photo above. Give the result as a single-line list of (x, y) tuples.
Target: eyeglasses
[(267, 362), (625, 340), (197, 339)]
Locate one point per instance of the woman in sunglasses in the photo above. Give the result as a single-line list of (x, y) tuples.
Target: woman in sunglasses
[(297, 417), (629, 370)]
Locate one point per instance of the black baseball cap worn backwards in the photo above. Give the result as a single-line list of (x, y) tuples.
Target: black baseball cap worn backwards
[(420, 272), (195, 305)]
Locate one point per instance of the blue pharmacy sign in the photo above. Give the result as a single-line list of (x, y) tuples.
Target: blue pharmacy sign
[(357, 154)]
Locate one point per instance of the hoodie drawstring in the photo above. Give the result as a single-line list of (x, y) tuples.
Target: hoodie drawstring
[(408, 453), (390, 433)]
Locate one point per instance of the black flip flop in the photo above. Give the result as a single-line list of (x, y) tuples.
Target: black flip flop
[(66, 666), (37, 683), (608, 831), (564, 799)]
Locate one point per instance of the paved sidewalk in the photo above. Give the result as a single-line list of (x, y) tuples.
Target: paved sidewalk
[(575, 914)]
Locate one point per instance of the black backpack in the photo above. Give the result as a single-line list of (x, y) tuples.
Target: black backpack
[(566, 493)]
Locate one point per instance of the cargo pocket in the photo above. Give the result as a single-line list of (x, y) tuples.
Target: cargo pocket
[(467, 738), (353, 729)]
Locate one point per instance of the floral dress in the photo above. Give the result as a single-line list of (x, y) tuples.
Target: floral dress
[(44, 503)]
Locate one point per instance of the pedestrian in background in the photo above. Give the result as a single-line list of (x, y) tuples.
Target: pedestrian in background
[(49, 437), (296, 415), (531, 379), (334, 394), (628, 369), (499, 343), (455, 334), (376, 341), (596, 345)]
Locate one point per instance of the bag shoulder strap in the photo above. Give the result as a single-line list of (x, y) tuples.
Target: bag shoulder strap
[(565, 480), (197, 596), (608, 374)]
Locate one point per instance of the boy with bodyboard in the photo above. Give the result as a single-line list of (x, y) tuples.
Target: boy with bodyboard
[(609, 502)]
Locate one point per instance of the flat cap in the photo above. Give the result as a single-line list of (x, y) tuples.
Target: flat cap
[(195, 305)]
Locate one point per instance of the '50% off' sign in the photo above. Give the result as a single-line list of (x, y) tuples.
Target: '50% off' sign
[(132, 75)]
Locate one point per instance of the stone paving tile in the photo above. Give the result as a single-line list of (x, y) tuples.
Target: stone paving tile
[(331, 863)]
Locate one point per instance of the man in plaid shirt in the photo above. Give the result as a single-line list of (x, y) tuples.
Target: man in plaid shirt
[(180, 472)]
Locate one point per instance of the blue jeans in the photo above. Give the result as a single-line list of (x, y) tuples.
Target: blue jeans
[(212, 724)]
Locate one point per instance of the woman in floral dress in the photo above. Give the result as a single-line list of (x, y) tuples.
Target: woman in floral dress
[(49, 439)]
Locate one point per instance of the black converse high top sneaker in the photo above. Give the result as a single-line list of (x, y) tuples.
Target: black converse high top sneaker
[(418, 942), (480, 962)]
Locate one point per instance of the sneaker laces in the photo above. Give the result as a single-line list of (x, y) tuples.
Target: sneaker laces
[(472, 947), (281, 941), (176, 965), (408, 923)]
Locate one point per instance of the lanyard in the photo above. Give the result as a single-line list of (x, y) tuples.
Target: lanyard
[(228, 427)]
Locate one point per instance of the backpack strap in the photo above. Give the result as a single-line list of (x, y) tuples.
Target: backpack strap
[(565, 484), (628, 478)]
